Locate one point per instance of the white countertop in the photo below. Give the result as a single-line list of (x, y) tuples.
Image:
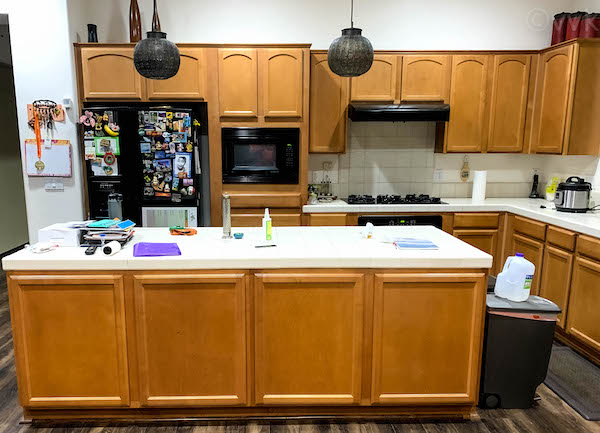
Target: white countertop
[(297, 247), (587, 223)]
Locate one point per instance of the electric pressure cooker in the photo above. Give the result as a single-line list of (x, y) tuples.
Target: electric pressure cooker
[(573, 195)]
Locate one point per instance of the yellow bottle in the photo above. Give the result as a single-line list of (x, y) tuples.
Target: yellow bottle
[(267, 225)]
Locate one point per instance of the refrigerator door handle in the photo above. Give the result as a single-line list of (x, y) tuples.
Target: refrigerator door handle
[(197, 159)]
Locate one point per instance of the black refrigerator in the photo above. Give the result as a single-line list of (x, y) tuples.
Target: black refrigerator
[(154, 155)]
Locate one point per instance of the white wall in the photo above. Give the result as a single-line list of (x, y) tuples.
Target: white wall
[(43, 69), (389, 24)]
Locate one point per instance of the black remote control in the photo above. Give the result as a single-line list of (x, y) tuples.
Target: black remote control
[(91, 250)]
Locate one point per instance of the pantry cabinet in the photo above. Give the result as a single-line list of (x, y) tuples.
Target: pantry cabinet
[(191, 338), (238, 82), (379, 83), (107, 73), (69, 337), (583, 320), (308, 338), (282, 81), (418, 320), (189, 82), (328, 107), (508, 102), (425, 78), (465, 129), (556, 279)]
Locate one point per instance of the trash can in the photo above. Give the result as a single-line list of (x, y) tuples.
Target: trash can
[(516, 350)]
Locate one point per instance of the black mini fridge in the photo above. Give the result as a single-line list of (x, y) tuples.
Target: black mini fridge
[(516, 350)]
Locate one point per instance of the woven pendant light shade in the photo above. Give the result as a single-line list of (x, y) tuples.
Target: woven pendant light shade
[(350, 55)]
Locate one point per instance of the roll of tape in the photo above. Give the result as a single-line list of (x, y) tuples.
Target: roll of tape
[(111, 248)]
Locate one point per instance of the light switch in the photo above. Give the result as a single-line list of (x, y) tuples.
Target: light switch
[(55, 185)]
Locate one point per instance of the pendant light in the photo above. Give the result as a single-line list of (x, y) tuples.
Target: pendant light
[(350, 55), (156, 57)]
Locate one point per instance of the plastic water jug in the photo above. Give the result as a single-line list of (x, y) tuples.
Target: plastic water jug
[(514, 282)]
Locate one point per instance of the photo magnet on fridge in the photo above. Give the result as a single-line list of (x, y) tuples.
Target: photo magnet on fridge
[(107, 145), (159, 154), (182, 165), (145, 147), (162, 165)]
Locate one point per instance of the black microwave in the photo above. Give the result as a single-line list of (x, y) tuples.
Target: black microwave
[(261, 155)]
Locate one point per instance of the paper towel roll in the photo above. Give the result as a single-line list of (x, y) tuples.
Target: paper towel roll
[(479, 182), (111, 248)]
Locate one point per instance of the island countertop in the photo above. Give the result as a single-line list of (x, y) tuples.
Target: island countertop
[(297, 247)]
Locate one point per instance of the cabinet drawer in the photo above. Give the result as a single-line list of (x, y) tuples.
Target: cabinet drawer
[(561, 238), (588, 246), (254, 219), (529, 227), (265, 200), (327, 219), (476, 220)]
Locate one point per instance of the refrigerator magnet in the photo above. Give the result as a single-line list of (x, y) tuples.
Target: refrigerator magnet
[(182, 165), (176, 198), (107, 145)]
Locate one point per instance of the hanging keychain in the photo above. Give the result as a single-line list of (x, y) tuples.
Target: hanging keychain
[(39, 165)]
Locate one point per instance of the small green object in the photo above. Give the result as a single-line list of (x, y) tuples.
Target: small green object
[(176, 228), (238, 235)]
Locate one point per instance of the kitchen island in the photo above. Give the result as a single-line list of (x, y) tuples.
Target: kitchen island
[(325, 323)]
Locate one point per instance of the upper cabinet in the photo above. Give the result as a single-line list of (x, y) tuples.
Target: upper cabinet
[(508, 102), (282, 73), (328, 104), (108, 73), (467, 103), (379, 83), (552, 100), (238, 82), (425, 78), (187, 84)]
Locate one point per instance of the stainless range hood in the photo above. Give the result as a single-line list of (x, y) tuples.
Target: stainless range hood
[(368, 112)]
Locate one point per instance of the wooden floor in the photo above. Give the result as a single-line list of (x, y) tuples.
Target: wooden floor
[(551, 415)]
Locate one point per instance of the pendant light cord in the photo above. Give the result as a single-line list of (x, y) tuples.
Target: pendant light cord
[(351, 14)]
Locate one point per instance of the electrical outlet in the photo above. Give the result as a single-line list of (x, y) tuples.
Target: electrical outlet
[(55, 185), (438, 175), (327, 165)]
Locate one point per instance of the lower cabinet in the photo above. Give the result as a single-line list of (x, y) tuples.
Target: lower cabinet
[(69, 337), (533, 251), (427, 334), (484, 239), (254, 217), (308, 338), (327, 219), (583, 320), (191, 339), (556, 279)]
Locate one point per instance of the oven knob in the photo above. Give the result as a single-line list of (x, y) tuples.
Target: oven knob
[(391, 223)]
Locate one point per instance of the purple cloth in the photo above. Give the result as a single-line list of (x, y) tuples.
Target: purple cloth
[(155, 249)]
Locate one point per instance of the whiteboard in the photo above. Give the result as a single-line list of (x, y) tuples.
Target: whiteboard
[(56, 158)]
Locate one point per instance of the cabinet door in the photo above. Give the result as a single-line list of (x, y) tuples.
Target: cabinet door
[(379, 83), (191, 339), (534, 252), (238, 82), (552, 100), (282, 72), (327, 219), (583, 319), (508, 103), (108, 73), (427, 334), (188, 83), (308, 343), (485, 240), (556, 279), (70, 344), (328, 104), (425, 78), (253, 217), (467, 102)]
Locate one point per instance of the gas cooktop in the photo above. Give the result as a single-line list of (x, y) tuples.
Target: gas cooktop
[(394, 199)]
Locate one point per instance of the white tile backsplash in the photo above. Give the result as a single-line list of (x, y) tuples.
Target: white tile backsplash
[(398, 158)]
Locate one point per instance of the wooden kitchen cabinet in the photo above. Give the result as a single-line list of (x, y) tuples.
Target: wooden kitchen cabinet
[(552, 100), (191, 338), (187, 84), (583, 319), (556, 279), (508, 102), (253, 217), (108, 73), (379, 83), (533, 251), (465, 129), (484, 239), (238, 82), (328, 107), (327, 219), (282, 85), (70, 343), (308, 338), (420, 319), (425, 78)]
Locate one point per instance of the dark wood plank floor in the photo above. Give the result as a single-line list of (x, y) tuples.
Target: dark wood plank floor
[(551, 415)]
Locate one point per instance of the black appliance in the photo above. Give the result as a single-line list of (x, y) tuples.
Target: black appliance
[(261, 155), (156, 156), (399, 112), (395, 220), (395, 199)]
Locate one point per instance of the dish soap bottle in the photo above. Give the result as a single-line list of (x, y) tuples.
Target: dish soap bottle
[(266, 222)]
